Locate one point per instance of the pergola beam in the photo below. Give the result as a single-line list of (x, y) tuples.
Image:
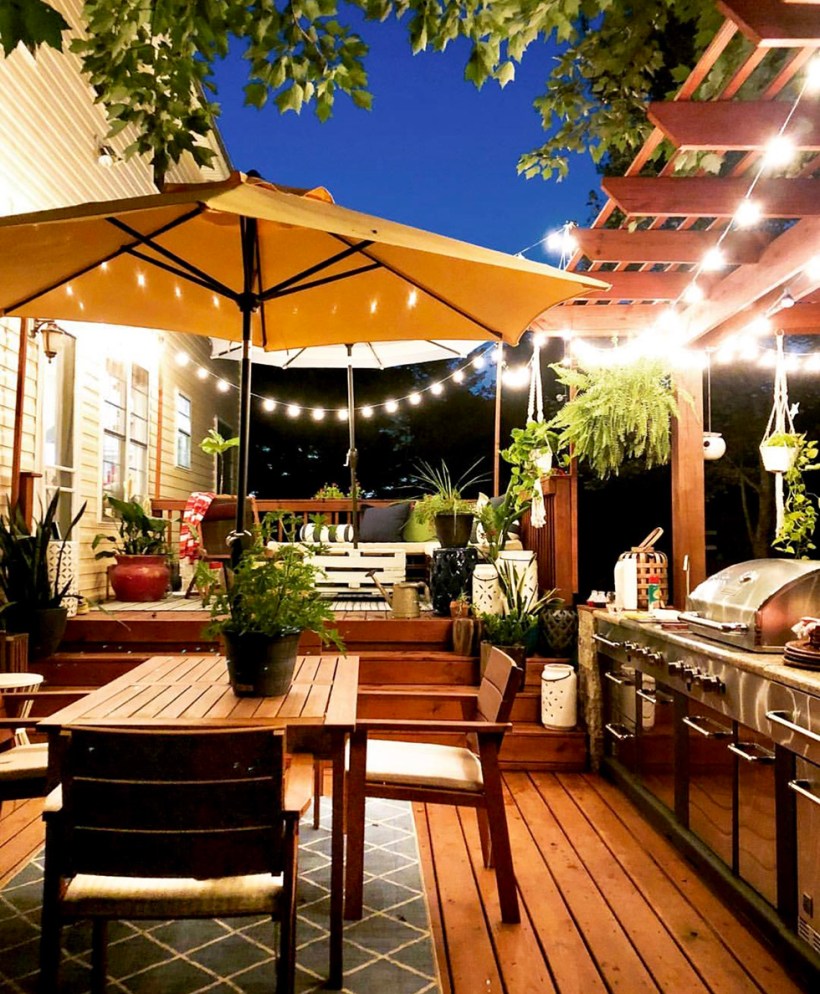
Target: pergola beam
[(771, 24), (701, 196), (717, 125), (597, 321), (652, 245)]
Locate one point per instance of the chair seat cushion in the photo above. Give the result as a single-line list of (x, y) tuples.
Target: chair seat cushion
[(423, 764), (158, 897), (24, 761)]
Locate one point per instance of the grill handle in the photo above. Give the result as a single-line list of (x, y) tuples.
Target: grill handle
[(801, 787), (782, 718), (691, 617), (621, 681), (752, 752), (619, 732)]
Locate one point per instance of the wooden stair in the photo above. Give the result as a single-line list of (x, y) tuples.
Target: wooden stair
[(406, 669)]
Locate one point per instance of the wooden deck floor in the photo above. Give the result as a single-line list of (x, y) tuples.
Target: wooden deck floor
[(608, 905)]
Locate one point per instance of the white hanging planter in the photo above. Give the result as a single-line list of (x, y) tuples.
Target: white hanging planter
[(542, 459), (778, 458), (714, 445)]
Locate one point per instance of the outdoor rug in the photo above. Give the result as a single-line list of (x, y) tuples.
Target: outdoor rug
[(389, 950)]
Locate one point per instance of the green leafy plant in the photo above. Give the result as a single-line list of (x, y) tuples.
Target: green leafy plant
[(445, 496), (518, 623), (138, 534), (527, 452), (269, 592), (795, 538), (328, 492), (785, 439), (496, 520), (214, 444), (24, 575), (617, 413)]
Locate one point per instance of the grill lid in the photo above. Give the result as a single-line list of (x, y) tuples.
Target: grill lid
[(753, 605)]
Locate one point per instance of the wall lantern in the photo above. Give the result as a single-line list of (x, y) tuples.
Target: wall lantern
[(51, 336)]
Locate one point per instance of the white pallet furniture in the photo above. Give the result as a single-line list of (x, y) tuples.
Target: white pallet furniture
[(346, 569)]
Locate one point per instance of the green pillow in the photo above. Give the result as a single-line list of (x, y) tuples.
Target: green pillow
[(418, 531)]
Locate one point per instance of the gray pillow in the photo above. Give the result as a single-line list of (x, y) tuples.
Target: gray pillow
[(384, 524)]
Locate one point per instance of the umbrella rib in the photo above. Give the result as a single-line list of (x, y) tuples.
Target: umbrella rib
[(188, 268), (189, 277), (424, 289), (293, 358), (273, 291), (274, 294)]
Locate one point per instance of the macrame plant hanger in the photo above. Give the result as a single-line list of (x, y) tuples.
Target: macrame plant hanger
[(535, 412), (780, 420)]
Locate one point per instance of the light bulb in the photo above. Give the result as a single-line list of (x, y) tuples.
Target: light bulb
[(748, 213), (415, 399), (268, 405), (341, 414), (317, 414), (391, 406), (294, 410), (779, 152), (437, 389), (759, 327), (182, 358), (412, 298), (693, 294), (223, 386), (140, 279), (202, 373), (812, 268), (479, 362), (713, 260), (374, 306), (813, 75), (367, 411), (458, 376)]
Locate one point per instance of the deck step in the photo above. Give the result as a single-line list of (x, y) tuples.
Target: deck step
[(437, 701)]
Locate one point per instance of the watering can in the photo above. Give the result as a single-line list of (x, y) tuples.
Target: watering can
[(404, 601)]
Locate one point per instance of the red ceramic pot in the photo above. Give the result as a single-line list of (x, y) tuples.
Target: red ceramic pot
[(140, 578)]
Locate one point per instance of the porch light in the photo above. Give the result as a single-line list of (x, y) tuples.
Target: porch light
[(51, 336), (106, 156)]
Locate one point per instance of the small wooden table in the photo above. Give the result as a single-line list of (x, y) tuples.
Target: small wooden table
[(192, 691)]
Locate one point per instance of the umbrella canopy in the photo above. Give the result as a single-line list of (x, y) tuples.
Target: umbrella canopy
[(299, 269)]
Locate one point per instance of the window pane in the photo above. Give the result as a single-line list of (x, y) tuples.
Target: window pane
[(138, 469), (183, 450), (113, 452)]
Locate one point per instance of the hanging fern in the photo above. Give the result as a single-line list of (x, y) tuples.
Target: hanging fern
[(617, 413)]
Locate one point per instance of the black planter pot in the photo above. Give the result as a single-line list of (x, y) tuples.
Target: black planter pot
[(453, 530), (45, 627), (258, 665), (450, 575)]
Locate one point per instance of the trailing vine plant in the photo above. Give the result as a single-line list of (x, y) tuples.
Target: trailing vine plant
[(800, 506), (617, 413)]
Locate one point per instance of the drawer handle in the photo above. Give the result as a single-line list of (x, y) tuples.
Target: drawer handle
[(621, 681), (654, 697), (801, 787), (782, 718), (619, 732), (699, 723), (607, 642), (752, 752)]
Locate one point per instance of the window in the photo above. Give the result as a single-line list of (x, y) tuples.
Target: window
[(183, 431), (57, 423), (125, 429)]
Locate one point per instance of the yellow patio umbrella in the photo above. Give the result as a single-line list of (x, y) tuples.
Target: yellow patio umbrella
[(249, 261)]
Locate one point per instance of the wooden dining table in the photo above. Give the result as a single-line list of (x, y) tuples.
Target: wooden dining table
[(318, 713)]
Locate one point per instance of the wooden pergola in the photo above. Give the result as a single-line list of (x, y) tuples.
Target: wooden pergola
[(657, 223)]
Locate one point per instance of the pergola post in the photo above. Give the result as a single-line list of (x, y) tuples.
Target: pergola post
[(688, 493)]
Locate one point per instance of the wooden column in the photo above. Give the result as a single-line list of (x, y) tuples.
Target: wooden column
[(19, 404), (688, 496)]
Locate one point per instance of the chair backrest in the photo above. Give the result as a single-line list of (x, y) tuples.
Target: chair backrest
[(202, 804), (498, 688), (220, 520)]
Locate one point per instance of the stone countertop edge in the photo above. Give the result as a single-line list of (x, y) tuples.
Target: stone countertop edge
[(765, 664)]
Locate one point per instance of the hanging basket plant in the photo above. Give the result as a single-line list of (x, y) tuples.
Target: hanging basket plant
[(617, 413), (795, 532), (779, 452)]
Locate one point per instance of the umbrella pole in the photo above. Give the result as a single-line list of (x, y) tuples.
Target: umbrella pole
[(247, 305), (352, 454)]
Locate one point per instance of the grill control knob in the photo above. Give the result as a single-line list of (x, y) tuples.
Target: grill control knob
[(654, 657), (630, 646), (710, 681), (675, 666)]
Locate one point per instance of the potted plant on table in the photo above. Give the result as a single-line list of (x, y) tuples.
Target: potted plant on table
[(265, 603), (34, 596), (140, 549)]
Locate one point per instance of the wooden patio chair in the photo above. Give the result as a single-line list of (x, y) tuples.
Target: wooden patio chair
[(23, 764), (216, 525), (439, 774), (167, 825)]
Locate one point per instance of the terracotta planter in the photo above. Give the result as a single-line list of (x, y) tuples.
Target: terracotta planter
[(260, 665), (140, 578)]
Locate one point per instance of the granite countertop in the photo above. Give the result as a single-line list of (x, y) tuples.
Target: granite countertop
[(766, 664)]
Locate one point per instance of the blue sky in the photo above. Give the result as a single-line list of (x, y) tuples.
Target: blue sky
[(434, 152)]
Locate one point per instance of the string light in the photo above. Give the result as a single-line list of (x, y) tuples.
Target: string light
[(367, 411), (318, 414), (437, 389), (222, 386), (415, 399), (779, 152), (342, 414), (391, 406), (748, 213), (294, 410), (713, 260), (182, 358), (693, 294), (202, 373), (268, 404)]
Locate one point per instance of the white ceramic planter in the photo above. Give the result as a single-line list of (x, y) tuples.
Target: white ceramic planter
[(522, 563), (486, 590), (559, 696), (778, 458)]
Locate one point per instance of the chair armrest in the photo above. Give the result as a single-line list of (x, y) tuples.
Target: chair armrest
[(424, 725), (299, 783), (15, 723)]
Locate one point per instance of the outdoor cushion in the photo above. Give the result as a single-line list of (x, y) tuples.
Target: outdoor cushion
[(447, 767), (418, 531), (23, 761), (384, 524)]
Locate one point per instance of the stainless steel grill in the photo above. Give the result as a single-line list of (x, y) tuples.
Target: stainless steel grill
[(753, 605)]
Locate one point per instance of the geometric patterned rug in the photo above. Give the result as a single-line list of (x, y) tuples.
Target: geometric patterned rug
[(390, 950)]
